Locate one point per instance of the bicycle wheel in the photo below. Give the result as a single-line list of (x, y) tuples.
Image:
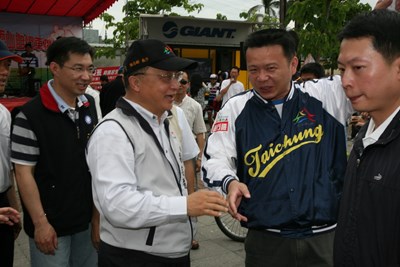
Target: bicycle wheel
[(231, 227)]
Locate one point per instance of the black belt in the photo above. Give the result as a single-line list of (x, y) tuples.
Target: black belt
[(307, 231)]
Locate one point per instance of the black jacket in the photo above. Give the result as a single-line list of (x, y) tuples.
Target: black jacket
[(61, 173), (110, 93), (368, 231)]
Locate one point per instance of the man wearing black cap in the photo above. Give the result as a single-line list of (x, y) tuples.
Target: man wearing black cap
[(9, 216), (135, 160)]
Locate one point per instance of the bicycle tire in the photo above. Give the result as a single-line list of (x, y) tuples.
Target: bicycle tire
[(231, 227)]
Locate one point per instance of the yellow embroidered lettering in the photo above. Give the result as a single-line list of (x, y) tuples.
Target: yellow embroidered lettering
[(252, 158), (275, 153)]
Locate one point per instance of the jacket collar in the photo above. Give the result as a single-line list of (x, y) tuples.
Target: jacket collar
[(128, 110), (51, 103), (390, 133)]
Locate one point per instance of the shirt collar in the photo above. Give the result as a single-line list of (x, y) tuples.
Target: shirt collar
[(372, 135), (281, 101), (147, 115), (63, 107)]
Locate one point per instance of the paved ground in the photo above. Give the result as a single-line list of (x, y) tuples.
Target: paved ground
[(21, 251), (215, 248)]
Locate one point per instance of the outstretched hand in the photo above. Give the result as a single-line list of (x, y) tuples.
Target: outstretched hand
[(236, 192), (9, 216), (204, 202)]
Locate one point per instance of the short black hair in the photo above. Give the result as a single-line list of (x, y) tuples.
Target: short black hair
[(268, 37), (382, 26), (60, 50), (196, 83), (104, 78), (236, 68), (314, 68)]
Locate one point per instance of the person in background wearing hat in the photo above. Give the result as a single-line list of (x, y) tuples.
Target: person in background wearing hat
[(49, 138), (139, 186), (27, 70), (213, 105), (111, 92), (9, 216)]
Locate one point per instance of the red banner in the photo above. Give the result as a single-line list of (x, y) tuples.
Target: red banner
[(111, 73)]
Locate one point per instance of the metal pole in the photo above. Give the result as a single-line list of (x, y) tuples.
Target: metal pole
[(282, 13)]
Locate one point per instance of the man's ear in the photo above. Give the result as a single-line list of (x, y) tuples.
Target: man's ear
[(293, 64), (396, 64), (134, 83), (54, 68)]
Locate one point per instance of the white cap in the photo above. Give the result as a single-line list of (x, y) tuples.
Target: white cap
[(213, 76)]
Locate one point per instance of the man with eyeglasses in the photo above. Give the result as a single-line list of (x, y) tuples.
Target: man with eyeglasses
[(48, 149), (135, 157)]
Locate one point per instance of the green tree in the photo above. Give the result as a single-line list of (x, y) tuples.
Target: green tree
[(221, 17), (318, 22), (271, 7), (128, 28), (269, 16)]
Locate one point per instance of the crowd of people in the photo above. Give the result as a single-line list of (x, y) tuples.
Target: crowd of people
[(109, 179)]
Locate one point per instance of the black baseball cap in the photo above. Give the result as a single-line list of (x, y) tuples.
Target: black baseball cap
[(6, 54), (156, 54)]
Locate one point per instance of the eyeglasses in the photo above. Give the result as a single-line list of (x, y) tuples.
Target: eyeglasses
[(183, 81), (166, 77), (80, 70)]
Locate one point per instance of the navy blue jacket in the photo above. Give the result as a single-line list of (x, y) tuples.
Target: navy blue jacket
[(293, 166)]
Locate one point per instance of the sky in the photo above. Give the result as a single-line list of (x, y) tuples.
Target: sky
[(230, 8)]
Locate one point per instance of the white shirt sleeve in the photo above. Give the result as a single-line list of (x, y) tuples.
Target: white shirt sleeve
[(220, 157), (331, 93), (199, 126), (224, 84), (96, 95), (190, 149)]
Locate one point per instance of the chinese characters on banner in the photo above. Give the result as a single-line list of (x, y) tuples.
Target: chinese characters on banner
[(111, 73)]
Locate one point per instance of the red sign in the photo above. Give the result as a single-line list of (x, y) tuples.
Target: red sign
[(111, 72)]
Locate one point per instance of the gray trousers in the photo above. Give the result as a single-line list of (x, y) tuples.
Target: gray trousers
[(271, 250)]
